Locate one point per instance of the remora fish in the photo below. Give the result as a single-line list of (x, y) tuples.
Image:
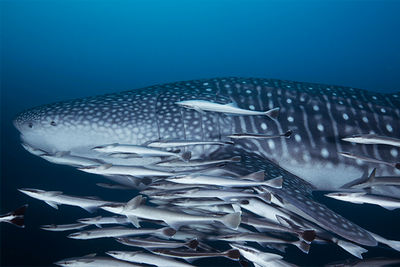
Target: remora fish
[(54, 198), (375, 181), (224, 181), (109, 169), (313, 111), (232, 254), (92, 260), (389, 203), (99, 220), (141, 151), (147, 258), (65, 158), (63, 227), (367, 159), (373, 139), (259, 136), (149, 243), (120, 232), (230, 108), (133, 209), (179, 143), (15, 217)]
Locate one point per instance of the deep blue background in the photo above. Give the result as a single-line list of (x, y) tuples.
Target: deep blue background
[(57, 50)]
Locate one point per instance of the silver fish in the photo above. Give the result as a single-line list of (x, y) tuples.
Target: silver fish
[(230, 108), (224, 181), (141, 151), (373, 139), (63, 227), (54, 198), (232, 254), (180, 143), (147, 258), (150, 243), (134, 209), (92, 260), (263, 238), (367, 159), (65, 158), (287, 134), (389, 203), (15, 217), (120, 232), (99, 220), (109, 169)]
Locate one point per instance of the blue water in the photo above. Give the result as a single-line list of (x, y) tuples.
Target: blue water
[(57, 50)]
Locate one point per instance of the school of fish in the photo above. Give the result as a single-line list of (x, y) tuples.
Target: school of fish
[(221, 163)]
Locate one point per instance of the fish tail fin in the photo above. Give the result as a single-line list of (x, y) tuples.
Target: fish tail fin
[(232, 220), (351, 248), (273, 113), (307, 236), (371, 177), (18, 221), (20, 211), (274, 182), (233, 254), (186, 156), (303, 246), (168, 231), (192, 244)]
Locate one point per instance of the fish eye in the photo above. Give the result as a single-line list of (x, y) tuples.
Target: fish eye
[(53, 123), (30, 125)]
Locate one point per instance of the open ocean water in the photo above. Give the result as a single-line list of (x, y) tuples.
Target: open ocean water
[(58, 50)]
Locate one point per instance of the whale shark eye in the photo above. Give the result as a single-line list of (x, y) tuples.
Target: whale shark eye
[(30, 125), (53, 123)]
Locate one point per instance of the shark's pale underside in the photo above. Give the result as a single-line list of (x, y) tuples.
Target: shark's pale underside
[(318, 115)]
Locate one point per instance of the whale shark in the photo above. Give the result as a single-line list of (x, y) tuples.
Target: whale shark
[(319, 116)]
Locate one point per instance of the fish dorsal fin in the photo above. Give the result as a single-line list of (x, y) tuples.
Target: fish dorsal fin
[(255, 176), (134, 203), (371, 177)]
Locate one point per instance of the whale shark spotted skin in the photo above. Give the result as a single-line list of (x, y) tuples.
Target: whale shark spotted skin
[(318, 116)]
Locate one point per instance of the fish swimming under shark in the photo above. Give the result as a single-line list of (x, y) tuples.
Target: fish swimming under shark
[(318, 116)]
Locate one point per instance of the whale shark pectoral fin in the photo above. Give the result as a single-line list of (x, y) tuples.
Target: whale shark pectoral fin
[(296, 195)]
